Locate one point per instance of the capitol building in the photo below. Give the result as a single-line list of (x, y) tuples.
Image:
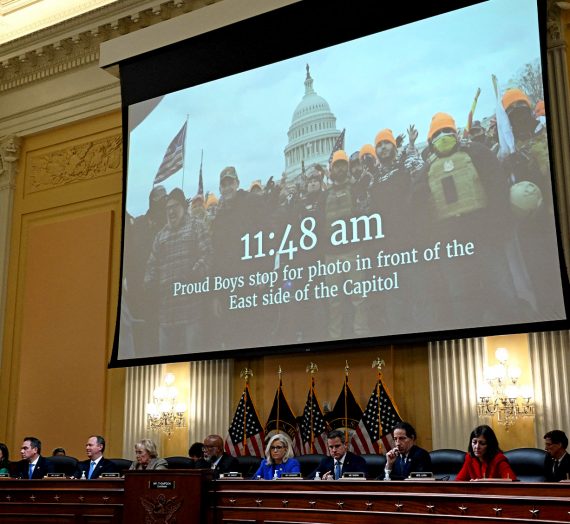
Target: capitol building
[(312, 133)]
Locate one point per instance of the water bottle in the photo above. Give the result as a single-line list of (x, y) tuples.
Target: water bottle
[(317, 476)]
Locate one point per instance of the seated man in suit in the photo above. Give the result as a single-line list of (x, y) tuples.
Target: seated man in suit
[(557, 462), (340, 460), (215, 458), (32, 465), (406, 457), (96, 463)]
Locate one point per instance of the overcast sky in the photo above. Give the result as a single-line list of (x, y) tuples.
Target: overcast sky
[(391, 79)]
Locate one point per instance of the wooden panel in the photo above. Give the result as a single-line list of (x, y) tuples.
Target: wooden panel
[(64, 336), (398, 502), (61, 501)]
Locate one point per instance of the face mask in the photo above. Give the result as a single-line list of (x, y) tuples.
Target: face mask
[(444, 144)]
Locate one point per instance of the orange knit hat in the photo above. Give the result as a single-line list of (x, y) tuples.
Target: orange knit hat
[(366, 149), (441, 121), (385, 134), (514, 95), (339, 155)]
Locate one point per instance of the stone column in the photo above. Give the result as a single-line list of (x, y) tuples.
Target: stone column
[(559, 105), (9, 156)]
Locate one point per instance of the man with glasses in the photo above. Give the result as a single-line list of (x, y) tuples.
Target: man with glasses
[(340, 460), (215, 458), (405, 457), (557, 461)]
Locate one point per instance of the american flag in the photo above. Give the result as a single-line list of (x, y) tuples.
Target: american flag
[(282, 420), (313, 426), (173, 158), (245, 435), (380, 416), (338, 145)]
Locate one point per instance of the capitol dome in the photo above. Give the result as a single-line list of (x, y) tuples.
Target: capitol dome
[(312, 133)]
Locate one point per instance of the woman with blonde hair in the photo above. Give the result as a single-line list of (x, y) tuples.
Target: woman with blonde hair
[(147, 456), (278, 458)]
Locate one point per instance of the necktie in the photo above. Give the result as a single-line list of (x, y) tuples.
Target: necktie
[(555, 468), (337, 472), (91, 468), (31, 472)]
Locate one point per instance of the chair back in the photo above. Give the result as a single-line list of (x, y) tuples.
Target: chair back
[(180, 462), (446, 463), (309, 463), (527, 463), (121, 464), (63, 464), (248, 466), (375, 464)]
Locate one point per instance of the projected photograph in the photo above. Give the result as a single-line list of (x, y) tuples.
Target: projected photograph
[(394, 184)]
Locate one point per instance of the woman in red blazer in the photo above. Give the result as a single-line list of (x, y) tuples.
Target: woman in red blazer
[(485, 460)]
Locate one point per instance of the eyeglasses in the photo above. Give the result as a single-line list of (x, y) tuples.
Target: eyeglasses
[(204, 448), (276, 448)]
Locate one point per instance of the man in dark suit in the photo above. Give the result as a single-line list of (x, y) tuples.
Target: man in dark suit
[(32, 465), (405, 457), (215, 458), (340, 460), (557, 462), (96, 463)]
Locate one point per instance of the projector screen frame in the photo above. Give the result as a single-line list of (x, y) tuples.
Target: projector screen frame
[(158, 69)]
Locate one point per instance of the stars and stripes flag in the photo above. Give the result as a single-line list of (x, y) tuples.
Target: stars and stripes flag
[(338, 145), (375, 428), (245, 435), (346, 413), (313, 425), (282, 420), (173, 159)]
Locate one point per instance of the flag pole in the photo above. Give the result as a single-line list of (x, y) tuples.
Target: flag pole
[(378, 363), (312, 368), (184, 152), (279, 373), (245, 374), (471, 113), (346, 368)]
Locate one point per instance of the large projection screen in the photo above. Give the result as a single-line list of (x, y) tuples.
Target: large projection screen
[(327, 179)]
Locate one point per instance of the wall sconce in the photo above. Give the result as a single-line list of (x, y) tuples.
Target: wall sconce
[(501, 395), (165, 413)]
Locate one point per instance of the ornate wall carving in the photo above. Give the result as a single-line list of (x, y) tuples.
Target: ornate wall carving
[(9, 156), (74, 163)]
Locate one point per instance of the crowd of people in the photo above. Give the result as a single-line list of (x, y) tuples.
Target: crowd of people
[(460, 185), (483, 460)]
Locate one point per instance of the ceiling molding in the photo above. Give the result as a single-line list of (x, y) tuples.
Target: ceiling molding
[(76, 42)]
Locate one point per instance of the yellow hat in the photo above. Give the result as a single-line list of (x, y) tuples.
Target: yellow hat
[(441, 121), (339, 155), (367, 149), (212, 200), (514, 95), (385, 135)]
